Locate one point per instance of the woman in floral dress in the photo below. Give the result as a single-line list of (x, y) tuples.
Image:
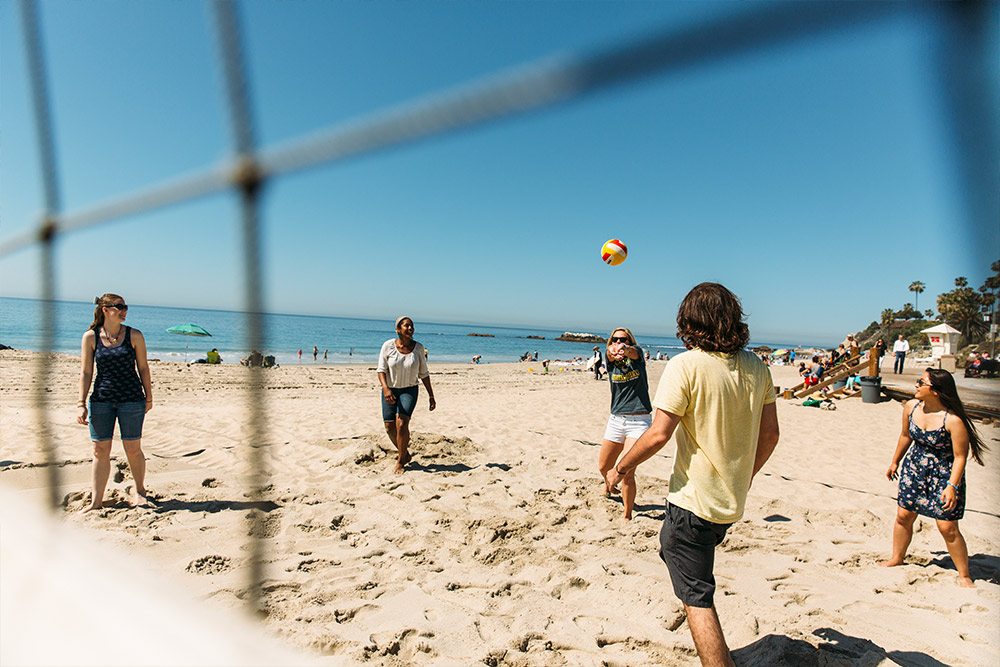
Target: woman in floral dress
[(930, 459)]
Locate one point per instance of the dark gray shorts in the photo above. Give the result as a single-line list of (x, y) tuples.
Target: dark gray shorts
[(687, 546)]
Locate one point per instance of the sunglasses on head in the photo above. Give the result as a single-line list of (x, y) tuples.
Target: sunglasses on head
[(119, 306), (619, 339)]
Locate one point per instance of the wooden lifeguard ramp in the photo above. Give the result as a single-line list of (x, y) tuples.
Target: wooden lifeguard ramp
[(838, 373)]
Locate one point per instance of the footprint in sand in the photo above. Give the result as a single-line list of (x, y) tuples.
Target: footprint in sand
[(312, 565), (209, 565)]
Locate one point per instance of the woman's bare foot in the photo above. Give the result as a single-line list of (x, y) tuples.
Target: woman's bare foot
[(139, 499), (89, 508), (892, 562), (401, 462), (626, 518), (966, 582)]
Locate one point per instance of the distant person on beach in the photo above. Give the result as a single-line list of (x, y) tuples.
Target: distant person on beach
[(840, 354), (814, 371), (723, 398), (122, 392), (315, 354), (880, 352), (402, 361), (213, 356), (930, 460), (324, 355), (300, 355), (597, 361), (853, 349), (630, 411), (899, 348)]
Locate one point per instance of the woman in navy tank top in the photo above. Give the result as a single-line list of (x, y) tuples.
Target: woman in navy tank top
[(122, 392)]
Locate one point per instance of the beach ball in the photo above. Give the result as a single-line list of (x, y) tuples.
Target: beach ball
[(614, 252)]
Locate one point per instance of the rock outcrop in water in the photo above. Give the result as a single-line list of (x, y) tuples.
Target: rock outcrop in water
[(571, 337)]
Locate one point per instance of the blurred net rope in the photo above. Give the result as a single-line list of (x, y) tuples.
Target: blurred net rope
[(964, 78)]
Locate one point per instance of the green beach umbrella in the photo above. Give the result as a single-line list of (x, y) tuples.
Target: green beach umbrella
[(187, 330)]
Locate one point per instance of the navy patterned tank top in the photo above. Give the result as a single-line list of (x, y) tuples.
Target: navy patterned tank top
[(117, 380)]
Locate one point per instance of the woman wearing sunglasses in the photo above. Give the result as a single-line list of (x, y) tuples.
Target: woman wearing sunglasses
[(936, 439), (631, 410), (122, 393)]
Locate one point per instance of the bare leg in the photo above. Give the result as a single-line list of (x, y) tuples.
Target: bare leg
[(606, 461), (100, 471), (902, 533), (137, 465), (958, 550), (402, 442), (390, 430), (628, 485), (708, 638)]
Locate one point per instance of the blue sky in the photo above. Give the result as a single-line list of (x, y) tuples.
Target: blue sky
[(816, 180)]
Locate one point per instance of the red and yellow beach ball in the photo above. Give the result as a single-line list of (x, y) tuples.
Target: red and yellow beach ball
[(614, 252)]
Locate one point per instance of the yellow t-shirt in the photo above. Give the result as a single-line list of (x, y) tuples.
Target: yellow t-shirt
[(719, 399)]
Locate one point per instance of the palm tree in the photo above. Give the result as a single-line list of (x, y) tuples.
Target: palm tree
[(961, 281), (887, 316), (917, 287)]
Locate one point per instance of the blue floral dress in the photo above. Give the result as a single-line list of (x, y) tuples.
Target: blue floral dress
[(925, 472)]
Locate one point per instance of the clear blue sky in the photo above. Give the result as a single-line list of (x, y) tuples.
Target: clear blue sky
[(816, 180)]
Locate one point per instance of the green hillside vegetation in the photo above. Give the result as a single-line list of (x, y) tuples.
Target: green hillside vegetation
[(967, 309)]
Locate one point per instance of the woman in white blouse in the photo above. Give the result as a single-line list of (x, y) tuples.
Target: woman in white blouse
[(401, 362)]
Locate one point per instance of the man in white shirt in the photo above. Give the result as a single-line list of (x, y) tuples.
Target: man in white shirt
[(900, 348)]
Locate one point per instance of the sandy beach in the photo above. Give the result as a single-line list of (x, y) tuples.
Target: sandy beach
[(497, 546)]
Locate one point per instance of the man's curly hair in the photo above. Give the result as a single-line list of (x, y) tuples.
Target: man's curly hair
[(711, 319)]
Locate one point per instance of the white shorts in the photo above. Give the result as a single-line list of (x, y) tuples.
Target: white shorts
[(621, 427)]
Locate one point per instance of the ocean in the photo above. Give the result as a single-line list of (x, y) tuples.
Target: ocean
[(346, 340)]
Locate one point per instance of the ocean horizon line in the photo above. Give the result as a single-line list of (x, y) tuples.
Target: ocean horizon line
[(769, 341)]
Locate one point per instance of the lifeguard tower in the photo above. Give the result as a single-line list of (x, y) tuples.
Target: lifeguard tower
[(941, 337)]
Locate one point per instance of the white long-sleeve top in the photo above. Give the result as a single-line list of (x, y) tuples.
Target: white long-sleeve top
[(901, 346), (402, 370)]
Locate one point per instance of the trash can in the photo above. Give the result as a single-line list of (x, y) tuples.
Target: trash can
[(871, 388)]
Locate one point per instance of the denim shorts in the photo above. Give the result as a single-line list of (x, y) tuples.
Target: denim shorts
[(129, 416), (621, 427), (406, 400)]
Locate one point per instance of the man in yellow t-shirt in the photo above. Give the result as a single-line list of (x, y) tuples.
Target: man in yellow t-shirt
[(722, 398)]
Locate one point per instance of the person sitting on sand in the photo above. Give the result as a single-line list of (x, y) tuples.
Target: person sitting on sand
[(631, 411), (930, 459), (122, 392), (853, 382), (213, 357), (401, 363), (814, 371)]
